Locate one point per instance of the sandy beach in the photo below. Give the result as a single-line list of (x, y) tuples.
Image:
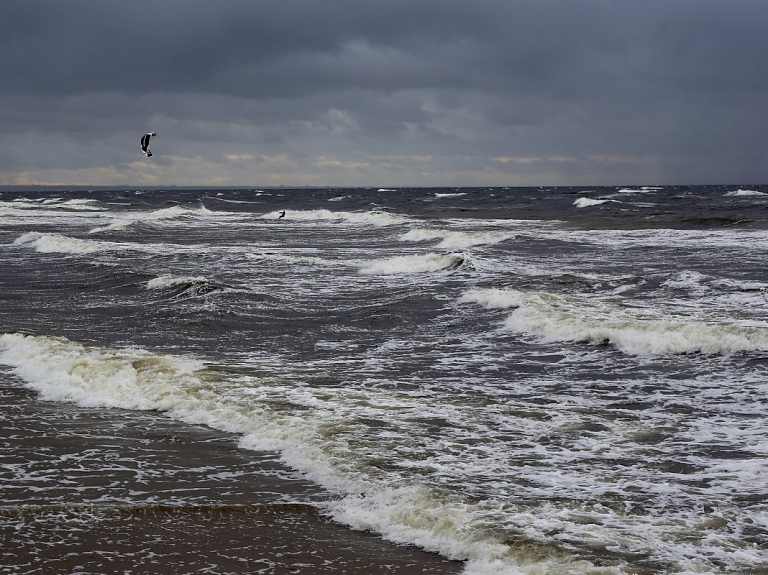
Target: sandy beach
[(114, 491)]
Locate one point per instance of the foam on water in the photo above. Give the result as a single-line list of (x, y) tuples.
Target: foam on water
[(58, 243), (562, 318), (737, 193), (588, 202), (603, 409), (313, 441), (455, 240), (414, 264), (189, 286), (641, 190), (126, 220), (526, 494)]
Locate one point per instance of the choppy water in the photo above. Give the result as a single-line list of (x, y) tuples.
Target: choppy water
[(529, 380)]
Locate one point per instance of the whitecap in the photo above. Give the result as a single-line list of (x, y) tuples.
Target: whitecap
[(559, 318), (587, 202), (155, 217), (58, 243), (187, 390), (184, 286), (456, 240), (414, 264), (739, 193), (642, 190)]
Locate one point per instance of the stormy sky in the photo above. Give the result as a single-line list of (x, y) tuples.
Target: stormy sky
[(385, 93)]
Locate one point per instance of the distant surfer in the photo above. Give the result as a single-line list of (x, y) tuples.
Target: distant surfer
[(282, 215), (145, 143)]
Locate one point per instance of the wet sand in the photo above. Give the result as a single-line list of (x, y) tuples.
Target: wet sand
[(114, 491)]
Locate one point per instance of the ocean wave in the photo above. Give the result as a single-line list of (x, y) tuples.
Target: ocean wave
[(155, 217), (58, 243), (587, 202), (737, 193), (375, 218), (557, 318), (414, 264), (183, 286), (74, 204), (454, 240), (189, 390), (641, 190)]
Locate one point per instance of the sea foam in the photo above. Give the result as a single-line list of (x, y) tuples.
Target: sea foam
[(58, 243), (588, 202), (128, 220), (738, 193), (183, 388), (455, 240), (413, 264), (559, 318)]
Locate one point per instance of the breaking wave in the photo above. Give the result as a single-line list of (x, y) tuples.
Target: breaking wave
[(58, 243), (188, 390), (745, 193), (556, 318), (453, 240), (131, 219), (414, 264), (588, 202), (185, 286)]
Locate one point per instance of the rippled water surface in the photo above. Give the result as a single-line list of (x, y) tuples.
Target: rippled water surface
[(536, 380)]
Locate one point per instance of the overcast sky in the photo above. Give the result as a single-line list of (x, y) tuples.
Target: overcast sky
[(384, 93)]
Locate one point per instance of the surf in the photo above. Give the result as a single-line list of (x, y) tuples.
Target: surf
[(562, 318)]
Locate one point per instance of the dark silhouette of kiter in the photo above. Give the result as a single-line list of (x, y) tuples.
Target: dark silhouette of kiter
[(282, 215)]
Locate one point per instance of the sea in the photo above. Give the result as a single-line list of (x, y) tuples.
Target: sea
[(483, 381)]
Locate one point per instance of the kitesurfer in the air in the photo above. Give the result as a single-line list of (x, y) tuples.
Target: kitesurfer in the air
[(145, 143)]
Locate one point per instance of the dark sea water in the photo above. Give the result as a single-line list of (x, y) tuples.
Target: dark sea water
[(476, 380)]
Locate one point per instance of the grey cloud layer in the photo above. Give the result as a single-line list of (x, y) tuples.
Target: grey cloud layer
[(512, 92)]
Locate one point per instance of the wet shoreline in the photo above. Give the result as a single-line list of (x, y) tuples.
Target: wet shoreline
[(106, 490)]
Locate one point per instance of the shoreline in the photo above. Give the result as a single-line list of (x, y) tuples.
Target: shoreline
[(103, 490)]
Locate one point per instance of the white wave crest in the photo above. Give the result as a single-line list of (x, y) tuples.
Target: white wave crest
[(168, 281), (556, 318), (452, 240), (130, 219), (58, 243), (746, 193), (62, 370), (375, 218), (414, 264), (587, 202), (82, 204), (642, 190), (187, 286)]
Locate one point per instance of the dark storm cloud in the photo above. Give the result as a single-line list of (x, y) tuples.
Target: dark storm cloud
[(504, 91)]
